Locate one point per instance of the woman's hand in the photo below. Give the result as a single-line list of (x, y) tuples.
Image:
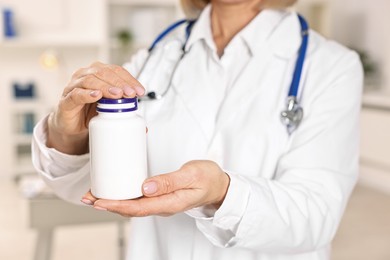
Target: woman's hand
[(68, 124), (195, 184)]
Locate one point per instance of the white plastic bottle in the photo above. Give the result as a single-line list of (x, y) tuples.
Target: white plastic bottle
[(117, 142)]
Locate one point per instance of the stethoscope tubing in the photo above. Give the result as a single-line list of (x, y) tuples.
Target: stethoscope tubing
[(171, 28), (293, 91), (293, 113), (162, 35)]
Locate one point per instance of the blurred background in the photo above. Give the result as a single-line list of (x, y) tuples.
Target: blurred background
[(43, 42)]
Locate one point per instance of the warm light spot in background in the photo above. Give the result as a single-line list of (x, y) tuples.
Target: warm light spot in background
[(49, 59)]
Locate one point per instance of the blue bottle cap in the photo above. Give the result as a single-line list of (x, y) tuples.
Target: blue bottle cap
[(108, 105)]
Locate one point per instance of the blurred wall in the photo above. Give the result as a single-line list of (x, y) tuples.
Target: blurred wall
[(362, 25)]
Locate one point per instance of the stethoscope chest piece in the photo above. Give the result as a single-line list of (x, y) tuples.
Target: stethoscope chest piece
[(292, 116)]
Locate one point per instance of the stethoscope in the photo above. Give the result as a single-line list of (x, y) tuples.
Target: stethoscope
[(291, 117)]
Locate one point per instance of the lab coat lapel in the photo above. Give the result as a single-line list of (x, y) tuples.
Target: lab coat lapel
[(192, 91), (245, 86), (259, 75), (265, 66)]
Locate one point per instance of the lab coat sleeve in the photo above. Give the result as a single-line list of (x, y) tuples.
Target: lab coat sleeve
[(300, 209), (66, 175)]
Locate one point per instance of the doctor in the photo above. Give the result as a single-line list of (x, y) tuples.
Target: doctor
[(231, 180)]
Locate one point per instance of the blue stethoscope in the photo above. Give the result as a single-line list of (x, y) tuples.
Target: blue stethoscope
[(291, 116)]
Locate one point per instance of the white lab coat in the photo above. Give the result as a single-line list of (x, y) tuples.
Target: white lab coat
[(287, 191)]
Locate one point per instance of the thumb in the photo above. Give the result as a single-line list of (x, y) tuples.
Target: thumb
[(162, 184)]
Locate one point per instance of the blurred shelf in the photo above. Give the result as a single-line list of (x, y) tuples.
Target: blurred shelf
[(115, 44), (24, 169), (63, 41), (376, 100), (152, 3), (144, 19), (22, 139), (25, 105)]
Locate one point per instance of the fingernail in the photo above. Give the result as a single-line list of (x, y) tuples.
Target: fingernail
[(95, 93), (99, 208), (128, 91), (115, 90), (150, 188), (140, 90), (87, 202)]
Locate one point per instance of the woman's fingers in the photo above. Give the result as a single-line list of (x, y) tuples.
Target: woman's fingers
[(129, 79), (141, 207), (165, 205), (88, 199), (167, 183), (69, 123), (91, 82), (114, 81), (113, 77), (78, 97), (195, 184)]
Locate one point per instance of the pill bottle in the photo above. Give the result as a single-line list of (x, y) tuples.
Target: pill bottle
[(117, 142)]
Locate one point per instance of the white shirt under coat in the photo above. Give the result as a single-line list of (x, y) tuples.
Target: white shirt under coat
[(287, 192)]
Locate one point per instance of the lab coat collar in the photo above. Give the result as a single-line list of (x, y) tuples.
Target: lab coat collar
[(286, 39), (270, 27), (202, 30), (258, 32)]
